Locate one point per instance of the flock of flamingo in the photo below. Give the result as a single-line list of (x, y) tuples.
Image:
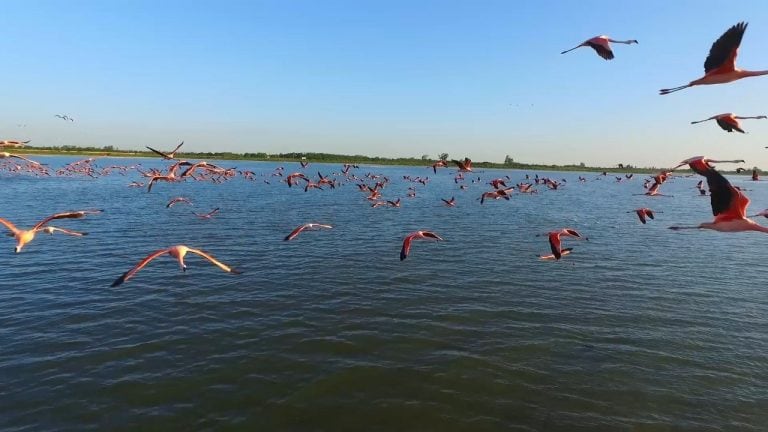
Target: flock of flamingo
[(729, 204)]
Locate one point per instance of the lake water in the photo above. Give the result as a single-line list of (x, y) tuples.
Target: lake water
[(640, 328)]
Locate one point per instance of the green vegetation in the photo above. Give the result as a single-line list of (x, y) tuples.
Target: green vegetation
[(509, 162)]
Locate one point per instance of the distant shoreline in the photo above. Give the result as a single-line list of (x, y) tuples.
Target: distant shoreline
[(332, 158)]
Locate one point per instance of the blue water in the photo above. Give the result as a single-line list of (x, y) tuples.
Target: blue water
[(641, 328)]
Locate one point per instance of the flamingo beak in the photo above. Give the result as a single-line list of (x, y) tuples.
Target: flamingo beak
[(17, 249)]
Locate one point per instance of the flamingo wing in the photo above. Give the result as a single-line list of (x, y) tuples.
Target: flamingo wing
[(602, 51), (129, 274), (214, 261), (66, 215), (649, 213), (722, 55), (295, 232), (641, 215), (165, 156), (64, 231), (406, 247), (25, 159), (554, 244), (9, 225), (177, 147), (727, 202)]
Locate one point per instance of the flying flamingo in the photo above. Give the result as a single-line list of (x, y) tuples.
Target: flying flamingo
[(424, 235), (170, 154), (25, 236), (177, 252), (208, 215), (5, 155), (729, 122), (11, 143), (464, 166), (177, 200), (720, 66), (729, 205), (642, 213), (555, 241), (601, 45), (306, 226), (449, 203)]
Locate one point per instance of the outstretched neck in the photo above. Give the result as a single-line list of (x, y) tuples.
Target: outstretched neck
[(628, 42), (757, 227), (748, 73)]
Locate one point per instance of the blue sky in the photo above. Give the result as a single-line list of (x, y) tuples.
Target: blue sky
[(481, 79)]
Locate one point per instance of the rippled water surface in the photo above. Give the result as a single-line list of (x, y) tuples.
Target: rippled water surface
[(641, 328)]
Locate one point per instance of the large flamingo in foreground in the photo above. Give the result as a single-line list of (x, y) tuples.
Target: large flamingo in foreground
[(418, 235), (177, 252), (729, 122), (729, 205), (720, 66), (601, 45), (25, 236)]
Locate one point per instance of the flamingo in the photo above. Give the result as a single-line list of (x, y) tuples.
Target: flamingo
[(642, 213), (208, 215), (464, 166), (5, 155), (449, 203), (167, 156), (11, 143), (729, 205), (601, 45), (423, 235), (177, 200), (25, 236), (720, 66), (755, 176), (555, 241), (439, 164), (177, 252), (306, 226), (729, 122)]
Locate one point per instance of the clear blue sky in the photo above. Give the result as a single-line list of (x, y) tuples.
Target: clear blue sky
[(391, 78)]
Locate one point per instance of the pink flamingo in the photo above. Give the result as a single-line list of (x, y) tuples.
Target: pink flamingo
[(177, 200), (601, 45), (169, 155), (177, 252), (729, 205), (555, 242), (418, 235), (729, 122), (25, 236), (643, 213), (306, 226), (720, 66)]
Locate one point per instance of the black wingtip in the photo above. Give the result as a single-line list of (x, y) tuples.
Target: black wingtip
[(403, 255), (235, 271), (119, 281)]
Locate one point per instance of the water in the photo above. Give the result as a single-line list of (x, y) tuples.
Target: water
[(641, 328)]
